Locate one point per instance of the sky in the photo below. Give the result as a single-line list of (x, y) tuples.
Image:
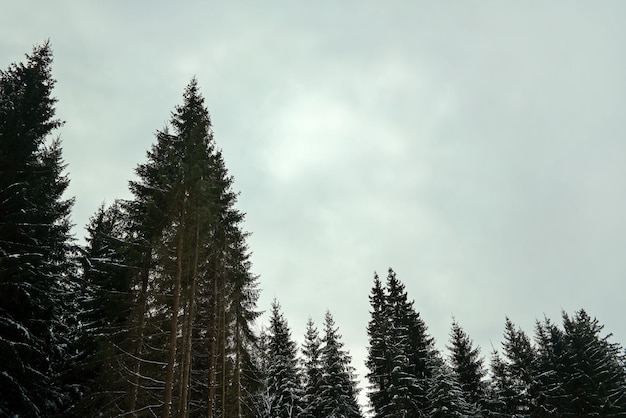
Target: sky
[(476, 147)]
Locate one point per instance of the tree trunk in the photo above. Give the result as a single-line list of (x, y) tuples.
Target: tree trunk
[(169, 375), (212, 350), (223, 339), (189, 326), (183, 348), (142, 303), (237, 369)]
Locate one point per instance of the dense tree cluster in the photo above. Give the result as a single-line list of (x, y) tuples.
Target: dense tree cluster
[(320, 383), (167, 285), (37, 278), (573, 371), (154, 315)]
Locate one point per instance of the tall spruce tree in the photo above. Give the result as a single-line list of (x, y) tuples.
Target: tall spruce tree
[(338, 391), (513, 373), (548, 385), (400, 352), (412, 351), (106, 304), (283, 379), (501, 391), (36, 271), (378, 362), (195, 296), (312, 372), (467, 366), (445, 394), (520, 356), (594, 377)]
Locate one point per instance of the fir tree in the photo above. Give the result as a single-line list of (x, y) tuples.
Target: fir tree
[(512, 382), (501, 391), (106, 304), (512, 375), (36, 271), (411, 351), (338, 392), (594, 377), (283, 380), (312, 372), (195, 295), (400, 352), (467, 366), (519, 354), (549, 368), (445, 394), (378, 361)]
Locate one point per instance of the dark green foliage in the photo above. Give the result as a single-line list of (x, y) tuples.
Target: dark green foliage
[(312, 372), (106, 304), (196, 296), (283, 381), (593, 374), (502, 392), (36, 272), (550, 370), (400, 352), (513, 374), (338, 393), (412, 350), (571, 372), (445, 394), (467, 366), (378, 362)]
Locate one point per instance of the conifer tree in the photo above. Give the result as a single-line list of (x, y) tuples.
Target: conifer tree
[(264, 398), (501, 391), (512, 375), (106, 304), (399, 354), (283, 380), (520, 357), (242, 312), (338, 392), (104, 307), (36, 270), (195, 295), (549, 370), (312, 372), (467, 366), (411, 351), (445, 394), (378, 361), (594, 377)]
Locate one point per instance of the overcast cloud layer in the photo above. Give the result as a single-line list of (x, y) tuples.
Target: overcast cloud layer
[(478, 148)]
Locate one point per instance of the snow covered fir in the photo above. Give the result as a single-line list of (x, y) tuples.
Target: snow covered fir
[(156, 314)]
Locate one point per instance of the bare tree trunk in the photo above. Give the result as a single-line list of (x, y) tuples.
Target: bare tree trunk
[(212, 351), (183, 348), (142, 303), (223, 339), (237, 368), (186, 366), (169, 375)]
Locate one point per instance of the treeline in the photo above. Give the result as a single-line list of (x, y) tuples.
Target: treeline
[(569, 371), (154, 315)]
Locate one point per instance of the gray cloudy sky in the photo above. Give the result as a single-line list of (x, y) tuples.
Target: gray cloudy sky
[(477, 147)]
